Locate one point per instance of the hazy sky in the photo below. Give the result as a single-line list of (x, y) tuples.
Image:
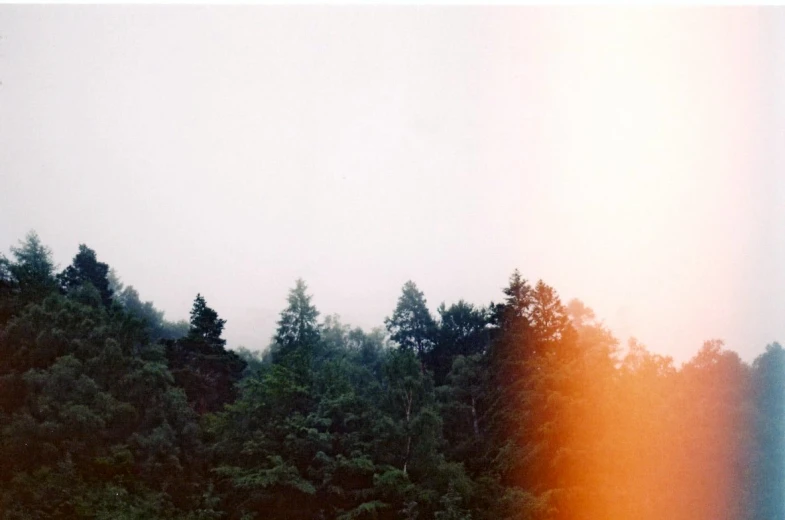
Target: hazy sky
[(633, 158)]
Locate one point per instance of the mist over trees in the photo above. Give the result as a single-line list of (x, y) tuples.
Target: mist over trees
[(526, 408)]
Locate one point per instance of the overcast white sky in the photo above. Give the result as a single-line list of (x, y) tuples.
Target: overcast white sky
[(632, 158)]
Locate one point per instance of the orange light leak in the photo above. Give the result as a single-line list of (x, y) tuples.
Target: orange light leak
[(647, 134), (593, 434), (655, 442)]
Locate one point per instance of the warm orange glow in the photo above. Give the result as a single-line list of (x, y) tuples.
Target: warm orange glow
[(655, 442), (653, 129)]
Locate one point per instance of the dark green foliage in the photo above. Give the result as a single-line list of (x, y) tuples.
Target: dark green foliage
[(297, 342), (464, 330), (27, 278), (297, 327), (90, 428), (205, 323), (411, 324), (8, 288), (32, 269), (86, 269), (201, 365), (152, 319), (522, 410), (464, 408), (254, 360), (359, 438)]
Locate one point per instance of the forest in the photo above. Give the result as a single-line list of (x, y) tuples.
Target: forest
[(526, 408)]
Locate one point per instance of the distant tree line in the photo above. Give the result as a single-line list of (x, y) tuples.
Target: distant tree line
[(522, 409)]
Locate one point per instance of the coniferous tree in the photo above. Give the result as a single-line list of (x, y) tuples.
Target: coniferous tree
[(29, 276), (508, 354), (411, 324), (86, 268), (201, 365), (526, 412), (88, 427), (205, 323), (33, 268), (298, 333)]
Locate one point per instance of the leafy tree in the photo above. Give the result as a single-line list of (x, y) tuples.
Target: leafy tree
[(769, 460), (451, 509), (254, 360), (174, 329), (715, 392), (464, 402), (90, 429), (409, 401), (263, 458), (152, 318), (463, 330), (528, 411)]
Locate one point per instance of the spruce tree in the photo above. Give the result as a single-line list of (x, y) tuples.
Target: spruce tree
[(297, 327), (205, 323)]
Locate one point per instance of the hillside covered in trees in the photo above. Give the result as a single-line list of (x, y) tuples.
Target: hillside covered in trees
[(526, 408)]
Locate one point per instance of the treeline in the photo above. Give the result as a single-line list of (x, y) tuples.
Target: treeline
[(522, 409)]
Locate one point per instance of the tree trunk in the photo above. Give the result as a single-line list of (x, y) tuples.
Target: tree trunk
[(474, 419), (409, 399)]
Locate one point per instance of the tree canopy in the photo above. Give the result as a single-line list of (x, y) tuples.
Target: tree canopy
[(524, 409)]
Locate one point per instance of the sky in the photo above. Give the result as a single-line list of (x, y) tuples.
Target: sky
[(629, 157)]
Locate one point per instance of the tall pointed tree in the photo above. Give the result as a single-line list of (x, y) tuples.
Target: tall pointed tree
[(549, 319), (200, 363), (518, 299), (32, 268), (205, 323), (411, 325), (297, 326)]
